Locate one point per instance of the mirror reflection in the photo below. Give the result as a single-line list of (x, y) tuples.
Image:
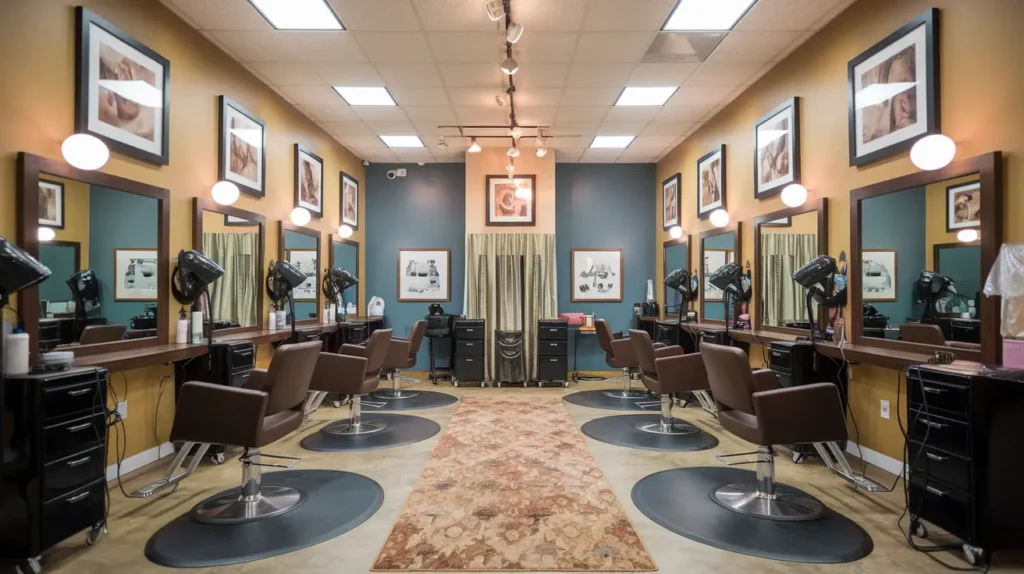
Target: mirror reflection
[(302, 251), (234, 244), (787, 244), (101, 245), (717, 251), (921, 276), (346, 256), (676, 257)]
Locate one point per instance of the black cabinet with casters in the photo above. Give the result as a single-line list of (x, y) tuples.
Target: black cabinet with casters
[(53, 463), (469, 351), (553, 352)]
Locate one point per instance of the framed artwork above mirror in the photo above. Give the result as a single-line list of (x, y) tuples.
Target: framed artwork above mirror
[(777, 149)]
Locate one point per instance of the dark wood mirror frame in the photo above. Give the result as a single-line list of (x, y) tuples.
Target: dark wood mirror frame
[(989, 168), (29, 168), (335, 238), (818, 205), (732, 227), (199, 205), (686, 240), (287, 226)]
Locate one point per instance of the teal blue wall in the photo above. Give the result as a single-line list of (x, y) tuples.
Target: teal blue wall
[(61, 261), (716, 309), (119, 220), (293, 240), (346, 256), (897, 221), (605, 205), (425, 209), (962, 264)]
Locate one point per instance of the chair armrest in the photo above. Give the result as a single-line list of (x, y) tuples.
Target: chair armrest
[(686, 368), (765, 380), (398, 353), (338, 373), (257, 380), (622, 350), (354, 351), (207, 412), (672, 351), (796, 415)]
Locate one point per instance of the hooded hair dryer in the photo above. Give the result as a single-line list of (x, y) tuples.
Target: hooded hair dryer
[(818, 277), (681, 281), (281, 280), (336, 281), (728, 278)]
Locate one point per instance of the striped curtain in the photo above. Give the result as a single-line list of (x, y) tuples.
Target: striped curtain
[(233, 296), (782, 300)]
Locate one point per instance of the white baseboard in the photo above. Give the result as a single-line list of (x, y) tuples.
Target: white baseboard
[(876, 458), (137, 461)]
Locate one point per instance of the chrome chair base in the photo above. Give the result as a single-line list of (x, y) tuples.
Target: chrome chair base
[(270, 501), (347, 428), (626, 394), (395, 394), (661, 427), (747, 500)]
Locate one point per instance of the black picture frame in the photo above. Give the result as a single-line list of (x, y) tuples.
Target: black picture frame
[(60, 205), (702, 212), (84, 21), (232, 221), (794, 148), (353, 223), (952, 189), (223, 144), (299, 150), (930, 20), (489, 220), (678, 178)]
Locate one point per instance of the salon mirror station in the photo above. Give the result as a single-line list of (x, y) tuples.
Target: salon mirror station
[(301, 247), (233, 242), (345, 256), (716, 250), (785, 242)]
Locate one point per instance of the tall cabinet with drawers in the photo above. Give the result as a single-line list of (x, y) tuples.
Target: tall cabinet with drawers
[(553, 352), (469, 351)]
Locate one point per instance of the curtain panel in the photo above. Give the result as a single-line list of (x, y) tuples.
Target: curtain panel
[(233, 296), (782, 300)]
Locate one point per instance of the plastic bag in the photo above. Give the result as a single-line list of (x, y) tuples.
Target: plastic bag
[(1006, 279), (375, 308)]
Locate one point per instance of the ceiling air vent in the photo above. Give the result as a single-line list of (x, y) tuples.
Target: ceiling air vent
[(682, 46)]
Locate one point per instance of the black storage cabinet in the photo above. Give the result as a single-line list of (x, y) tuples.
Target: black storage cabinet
[(469, 351), (53, 468), (553, 352)]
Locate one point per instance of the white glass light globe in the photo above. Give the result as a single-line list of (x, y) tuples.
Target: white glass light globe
[(225, 192), (345, 231), (300, 216), (965, 235), (46, 234), (85, 151), (794, 195), (719, 218), (933, 152), (676, 232)]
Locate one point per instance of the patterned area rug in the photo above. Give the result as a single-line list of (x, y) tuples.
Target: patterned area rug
[(511, 486)]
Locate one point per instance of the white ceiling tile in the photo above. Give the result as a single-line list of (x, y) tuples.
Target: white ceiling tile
[(495, 142), (632, 113), (569, 152), (419, 96), (379, 151), (478, 115), (598, 75), (616, 15), (410, 75), (535, 115), (441, 114), (542, 76), (415, 154), (590, 96), (563, 130), (467, 48), (470, 75), (687, 96), (348, 74), (537, 97), (661, 74), (454, 16), (392, 128), (612, 47), (472, 97), (582, 113), (376, 15), (287, 74), (255, 45), (220, 15), (361, 141), (380, 113), (633, 151), (752, 47), (785, 14), (545, 47), (338, 112), (312, 95), (657, 142), (621, 128), (684, 113), (429, 129), (600, 155), (549, 15), (722, 75), (281, 93), (622, 159), (660, 128), (395, 47), (347, 129), (323, 45)]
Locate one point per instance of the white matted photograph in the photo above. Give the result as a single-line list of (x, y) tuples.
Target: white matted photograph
[(309, 181), (424, 275), (777, 149), (349, 200), (305, 260), (963, 206), (670, 195), (242, 148), (597, 275), (879, 278), (713, 259), (711, 182), (51, 204), (135, 275), (510, 201)]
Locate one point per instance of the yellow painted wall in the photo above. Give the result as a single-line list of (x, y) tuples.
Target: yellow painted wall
[(982, 85), (935, 210), (492, 161), (37, 113), (76, 216)]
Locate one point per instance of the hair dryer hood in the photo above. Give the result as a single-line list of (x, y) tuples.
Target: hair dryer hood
[(84, 285), (192, 275), (680, 280), (290, 274), (930, 285), (342, 278), (18, 269), (727, 278), (816, 272)]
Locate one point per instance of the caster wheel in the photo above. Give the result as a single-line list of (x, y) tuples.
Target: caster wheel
[(336, 404), (566, 384), (95, 534), (218, 458), (919, 529), (524, 384), (975, 556), (798, 457), (30, 566)]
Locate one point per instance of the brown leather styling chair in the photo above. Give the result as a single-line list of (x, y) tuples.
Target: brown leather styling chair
[(402, 355), (618, 353), (930, 334), (667, 370), (96, 334), (265, 410), (355, 371), (752, 406)]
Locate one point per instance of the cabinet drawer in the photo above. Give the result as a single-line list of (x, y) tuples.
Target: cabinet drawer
[(941, 505), (61, 401), (73, 472), (469, 348), (949, 468), (552, 348), (239, 379), (242, 356), (943, 433), (552, 368), (469, 368), (71, 513), (471, 332), (942, 398), (553, 332), (69, 437)]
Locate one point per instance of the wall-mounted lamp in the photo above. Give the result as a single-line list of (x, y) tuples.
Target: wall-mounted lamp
[(964, 235), (719, 218), (85, 151), (46, 234), (300, 216), (794, 195), (225, 192), (345, 231), (933, 152), (676, 232)]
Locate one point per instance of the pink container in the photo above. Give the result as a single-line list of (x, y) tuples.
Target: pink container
[(572, 318), (1013, 353)]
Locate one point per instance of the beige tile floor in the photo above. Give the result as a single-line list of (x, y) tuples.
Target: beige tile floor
[(132, 522)]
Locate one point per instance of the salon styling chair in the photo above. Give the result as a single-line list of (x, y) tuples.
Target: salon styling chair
[(96, 334), (618, 353), (355, 371), (264, 410), (402, 355), (667, 371), (930, 334)]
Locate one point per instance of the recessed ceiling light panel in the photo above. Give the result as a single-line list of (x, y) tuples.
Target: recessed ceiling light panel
[(401, 141), (365, 96), (298, 14), (645, 96), (696, 15), (611, 142)]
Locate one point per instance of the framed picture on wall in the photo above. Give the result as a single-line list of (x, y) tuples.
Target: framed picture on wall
[(122, 90), (777, 149), (51, 204), (893, 91), (232, 221), (305, 260), (711, 182), (713, 259), (309, 181), (243, 148), (597, 275), (135, 275), (510, 200), (424, 275), (349, 200), (670, 198), (963, 206), (878, 279)]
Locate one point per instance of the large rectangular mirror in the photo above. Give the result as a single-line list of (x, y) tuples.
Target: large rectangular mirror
[(919, 263), (717, 247), (785, 241), (345, 254), (675, 255), (234, 239), (301, 247), (105, 239)]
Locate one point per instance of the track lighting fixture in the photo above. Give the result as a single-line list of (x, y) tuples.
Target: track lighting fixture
[(542, 144), (510, 168), (516, 132), (495, 10), (542, 151), (513, 151), (442, 144), (473, 146), (514, 32), (500, 99), (509, 65)]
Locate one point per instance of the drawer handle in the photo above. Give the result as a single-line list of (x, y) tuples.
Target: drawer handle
[(935, 457), (80, 427), (79, 392), (935, 491), (932, 390), (935, 425), (79, 462), (77, 497), (469, 360), (469, 330), (470, 344)]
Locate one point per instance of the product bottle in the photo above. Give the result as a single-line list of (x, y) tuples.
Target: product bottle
[(181, 336), (272, 319)]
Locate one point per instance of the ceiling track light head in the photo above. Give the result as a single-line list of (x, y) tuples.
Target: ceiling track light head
[(509, 65), (442, 144)]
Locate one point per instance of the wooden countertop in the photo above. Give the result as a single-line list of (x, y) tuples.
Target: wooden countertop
[(138, 358)]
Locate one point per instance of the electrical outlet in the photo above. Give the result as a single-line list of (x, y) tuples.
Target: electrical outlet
[(885, 409), (122, 409)]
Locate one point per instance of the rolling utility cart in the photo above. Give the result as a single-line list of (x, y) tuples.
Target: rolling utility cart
[(469, 352)]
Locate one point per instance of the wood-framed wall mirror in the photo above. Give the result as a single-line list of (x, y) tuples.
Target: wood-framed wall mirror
[(905, 230), (234, 239), (785, 241), (122, 231), (675, 254), (344, 253), (718, 247), (301, 247)]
